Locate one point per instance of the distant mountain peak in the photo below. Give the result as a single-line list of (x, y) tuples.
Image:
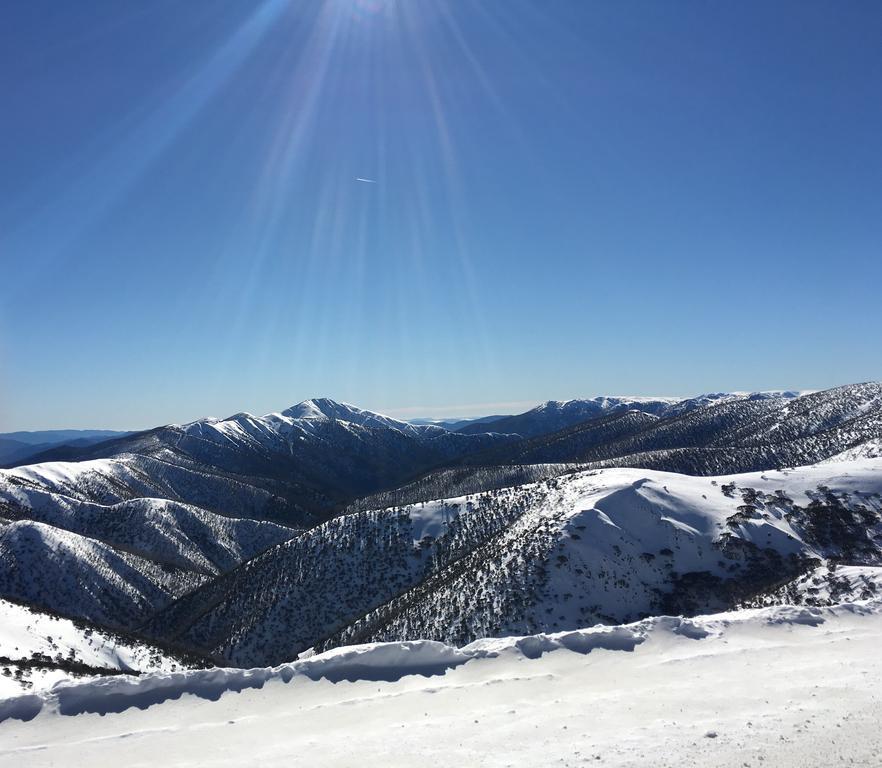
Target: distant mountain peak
[(315, 408), (324, 409)]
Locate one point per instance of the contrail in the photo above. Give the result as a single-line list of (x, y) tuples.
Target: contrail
[(366, 181)]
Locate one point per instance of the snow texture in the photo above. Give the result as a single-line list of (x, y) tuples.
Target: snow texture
[(38, 650), (785, 686)]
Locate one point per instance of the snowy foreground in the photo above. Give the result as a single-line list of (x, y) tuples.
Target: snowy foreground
[(782, 686)]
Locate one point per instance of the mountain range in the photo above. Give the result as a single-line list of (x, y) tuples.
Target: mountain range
[(252, 539)]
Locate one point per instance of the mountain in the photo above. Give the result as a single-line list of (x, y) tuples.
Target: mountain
[(593, 546), (296, 467), (728, 433), (85, 578), (251, 539), (304, 464), (62, 436), (114, 563), (13, 450), (167, 532), (571, 444), (555, 415)]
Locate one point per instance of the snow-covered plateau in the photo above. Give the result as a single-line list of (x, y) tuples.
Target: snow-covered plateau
[(780, 686)]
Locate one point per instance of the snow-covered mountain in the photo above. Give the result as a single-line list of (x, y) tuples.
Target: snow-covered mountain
[(302, 465), (728, 434), (324, 409), (554, 415), (114, 563), (167, 532), (609, 546), (295, 467)]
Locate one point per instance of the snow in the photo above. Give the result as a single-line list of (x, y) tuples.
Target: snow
[(60, 473), (308, 409), (305, 418), (324, 409), (785, 686), (432, 518), (697, 502), (829, 584), (593, 546), (116, 562), (635, 525), (25, 632)]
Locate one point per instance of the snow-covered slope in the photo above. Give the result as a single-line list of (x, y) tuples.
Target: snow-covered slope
[(82, 577), (789, 687), (179, 535), (871, 449), (38, 650), (610, 545), (619, 544), (162, 475), (116, 563)]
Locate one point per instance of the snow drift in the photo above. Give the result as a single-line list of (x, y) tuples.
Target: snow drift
[(389, 662)]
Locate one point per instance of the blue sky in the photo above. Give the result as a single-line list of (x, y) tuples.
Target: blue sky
[(571, 199)]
